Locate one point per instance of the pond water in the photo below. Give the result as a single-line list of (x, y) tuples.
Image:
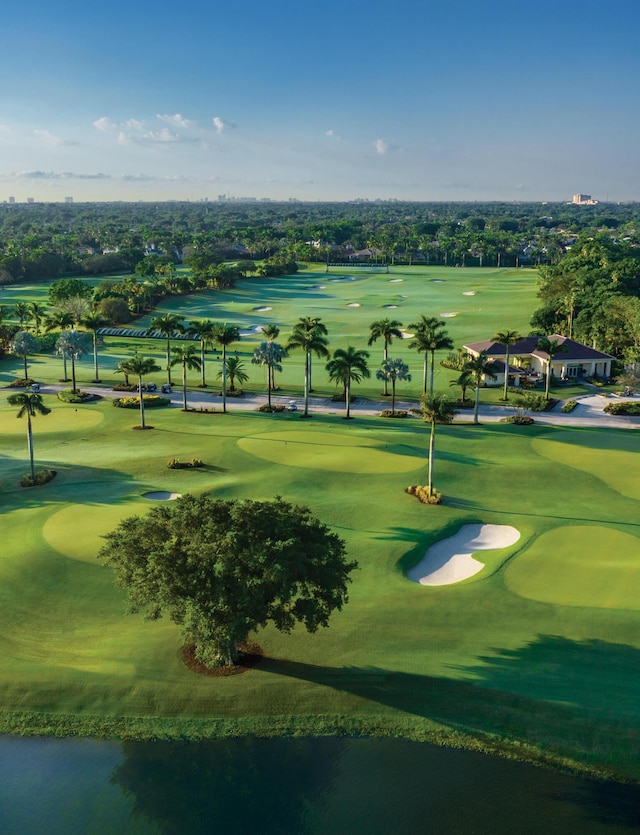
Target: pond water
[(293, 786)]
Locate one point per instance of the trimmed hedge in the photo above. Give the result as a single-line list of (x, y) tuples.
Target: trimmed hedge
[(623, 408), (150, 401)]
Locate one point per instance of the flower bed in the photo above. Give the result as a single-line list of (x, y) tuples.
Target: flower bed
[(150, 401)]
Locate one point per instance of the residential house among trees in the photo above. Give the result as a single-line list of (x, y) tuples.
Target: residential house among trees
[(526, 360)]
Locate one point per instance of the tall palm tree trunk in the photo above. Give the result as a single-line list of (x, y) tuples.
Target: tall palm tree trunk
[(432, 439), (547, 382), (203, 382), (96, 378), (65, 378), (184, 386), (269, 386), (433, 359), (505, 396), (168, 360), (477, 402), (73, 373), (424, 374), (347, 396), (306, 385), (26, 372), (224, 378), (393, 397), (141, 402), (30, 447), (385, 357)]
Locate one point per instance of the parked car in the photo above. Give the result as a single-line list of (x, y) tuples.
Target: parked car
[(293, 406)]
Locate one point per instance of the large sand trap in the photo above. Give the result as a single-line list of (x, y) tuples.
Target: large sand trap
[(448, 315), (406, 335), (340, 280), (469, 293), (161, 496), (451, 559), (354, 304), (395, 280)]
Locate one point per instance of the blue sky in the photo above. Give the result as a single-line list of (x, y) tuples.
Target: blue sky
[(333, 100)]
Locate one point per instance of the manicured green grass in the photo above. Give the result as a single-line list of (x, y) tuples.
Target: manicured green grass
[(580, 565), (492, 658), (503, 299)]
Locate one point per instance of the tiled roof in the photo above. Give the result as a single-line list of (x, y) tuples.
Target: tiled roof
[(529, 344)]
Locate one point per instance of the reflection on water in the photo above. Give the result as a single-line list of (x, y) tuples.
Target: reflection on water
[(314, 786)]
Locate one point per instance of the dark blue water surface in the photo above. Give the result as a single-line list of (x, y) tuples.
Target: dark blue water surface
[(293, 786)]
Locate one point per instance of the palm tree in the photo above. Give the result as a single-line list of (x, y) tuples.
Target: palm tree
[(168, 325), (464, 380), (203, 329), (22, 313), (187, 357), (37, 314), (270, 354), (61, 319), (235, 371), (430, 336), (507, 338), (71, 344), (551, 347), (140, 366), (393, 370), (224, 335), (388, 330), (123, 368), (30, 405), (308, 335), (93, 321), (435, 409), (480, 367), (271, 333), (345, 367), (22, 344)]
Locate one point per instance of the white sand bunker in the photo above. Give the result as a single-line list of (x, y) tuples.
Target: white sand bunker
[(161, 496), (353, 304), (395, 280), (437, 280), (469, 293), (262, 309), (406, 335), (340, 280), (451, 560), (448, 315), (389, 306), (317, 287)]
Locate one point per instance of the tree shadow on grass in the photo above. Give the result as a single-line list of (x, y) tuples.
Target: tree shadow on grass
[(484, 507), (102, 485), (510, 702)]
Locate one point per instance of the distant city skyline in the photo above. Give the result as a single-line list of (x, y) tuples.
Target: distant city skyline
[(336, 101)]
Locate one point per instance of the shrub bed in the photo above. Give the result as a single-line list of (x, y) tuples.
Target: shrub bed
[(42, 477), (424, 495), (519, 420), (70, 396), (150, 401), (22, 383), (622, 408), (265, 408), (176, 464), (123, 387), (387, 413), (569, 406)]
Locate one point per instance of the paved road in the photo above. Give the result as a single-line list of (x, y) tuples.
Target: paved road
[(589, 412)]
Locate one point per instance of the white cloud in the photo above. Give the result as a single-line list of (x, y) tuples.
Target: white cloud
[(164, 135), (134, 124), (222, 125), (52, 141), (177, 120), (105, 124), (57, 175), (381, 146), (123, 139), (333, 134)]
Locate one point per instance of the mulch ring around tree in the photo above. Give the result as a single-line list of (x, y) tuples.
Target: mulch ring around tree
[(250, 655)]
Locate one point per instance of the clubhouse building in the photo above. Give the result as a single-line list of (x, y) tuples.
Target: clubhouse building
[(525, 360)]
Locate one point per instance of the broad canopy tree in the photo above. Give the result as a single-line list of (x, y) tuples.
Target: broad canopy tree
[(222, 569)]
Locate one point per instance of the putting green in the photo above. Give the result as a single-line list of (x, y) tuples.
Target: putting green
[(82, 542), (579, 565), (610, 465), (325, 451), (60, 419)]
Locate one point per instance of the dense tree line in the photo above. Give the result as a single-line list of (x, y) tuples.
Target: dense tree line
[(45, 241)]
